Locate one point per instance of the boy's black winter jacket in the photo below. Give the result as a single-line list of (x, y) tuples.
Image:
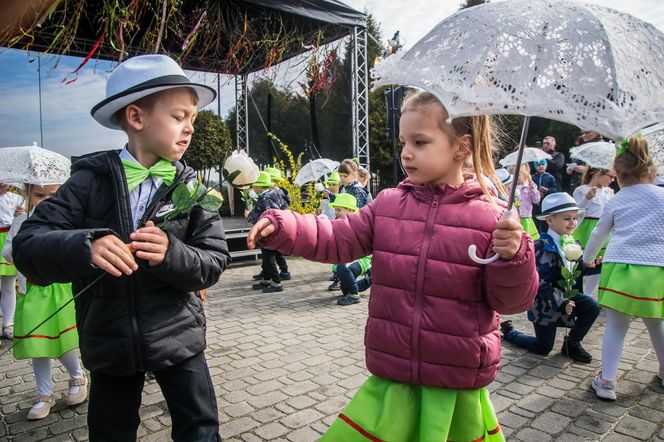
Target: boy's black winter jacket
[(149, 320)]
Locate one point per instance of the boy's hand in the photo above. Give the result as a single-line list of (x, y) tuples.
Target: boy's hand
[(150, 243), (260, 230), (507, 238), (569, 307), (113, 256)]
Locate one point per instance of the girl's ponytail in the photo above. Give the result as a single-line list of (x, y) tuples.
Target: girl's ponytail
[(633, 163), (482, 154)]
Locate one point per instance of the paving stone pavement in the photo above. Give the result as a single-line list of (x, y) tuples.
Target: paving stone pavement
[(285, 364)]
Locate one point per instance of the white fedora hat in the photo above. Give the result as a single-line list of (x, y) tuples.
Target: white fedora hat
[(140, 76), (504, 176), (556, 203)]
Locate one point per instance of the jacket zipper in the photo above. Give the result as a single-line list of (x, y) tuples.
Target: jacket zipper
[(419, 292)]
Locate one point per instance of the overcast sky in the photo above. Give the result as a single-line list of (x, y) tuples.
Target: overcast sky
[(69, 129)]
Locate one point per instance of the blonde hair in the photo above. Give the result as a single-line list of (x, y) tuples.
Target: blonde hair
[(635, 163), (348, 167), (480, 128), (363, 173), (589, 174)]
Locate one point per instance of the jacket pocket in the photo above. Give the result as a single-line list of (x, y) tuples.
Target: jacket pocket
[(197, 312)]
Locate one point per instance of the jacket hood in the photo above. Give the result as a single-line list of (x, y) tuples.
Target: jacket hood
[(98, 162), (447, 194)]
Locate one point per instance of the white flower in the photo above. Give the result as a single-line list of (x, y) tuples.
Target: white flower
[(243, 167), (573, 252), (318, 187)]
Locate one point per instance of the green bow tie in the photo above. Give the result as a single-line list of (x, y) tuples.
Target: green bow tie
[(566, 239), (136, 173)]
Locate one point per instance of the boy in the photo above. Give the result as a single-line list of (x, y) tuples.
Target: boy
[(144, 315), (348, 273), (550, 308), (275, 176), (268, 198)]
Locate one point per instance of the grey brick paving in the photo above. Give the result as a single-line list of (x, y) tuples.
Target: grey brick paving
[(285, 364)]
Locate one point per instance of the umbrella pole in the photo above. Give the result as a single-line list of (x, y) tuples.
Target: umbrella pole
[(519, 158)]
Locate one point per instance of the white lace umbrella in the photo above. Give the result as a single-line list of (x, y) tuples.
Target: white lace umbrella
[(33, 165), (529, 154), (314, 170), (655, 137), (599, 155), (583, 64)]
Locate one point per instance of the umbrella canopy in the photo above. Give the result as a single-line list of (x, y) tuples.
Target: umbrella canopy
[(529, 154), (599, 155), (655, 137), (314, 170), (583, 64), (33, 165)]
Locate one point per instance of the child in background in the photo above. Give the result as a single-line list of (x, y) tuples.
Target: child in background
[(348, 273), (592, 195), (330, 192), (527, 196), (57, 338), (348, 175), (632, 280), (276, 177), (363, 177), (11, 206), (551, 308), (431, 337), (268, 198)]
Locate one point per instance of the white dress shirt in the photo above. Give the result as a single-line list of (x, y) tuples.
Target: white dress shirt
[(140, 197)]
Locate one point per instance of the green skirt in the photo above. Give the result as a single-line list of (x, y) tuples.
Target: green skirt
[(6, 269), (583, 232), (385, 410), (58, 335), (529, 227), (632, 289)]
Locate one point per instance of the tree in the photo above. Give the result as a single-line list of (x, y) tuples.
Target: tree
[(209, 144)]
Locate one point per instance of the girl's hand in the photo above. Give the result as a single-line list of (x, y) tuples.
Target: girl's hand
[(150, 243), (113, 256), (261, 229), (569, 307), (591, 193), (19, 211), (507, 238)]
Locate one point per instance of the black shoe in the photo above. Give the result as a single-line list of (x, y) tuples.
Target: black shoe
[(260, 285), (257, 277), (333, 277), (349, 299), (506, 327), (574, 350), (285, 276), (335, 286), (273, 287)]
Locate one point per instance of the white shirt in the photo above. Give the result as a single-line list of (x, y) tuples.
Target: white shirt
[(140, 197), (7, 250), (634, 219), (595, 205), (8, 204), (556, 239)]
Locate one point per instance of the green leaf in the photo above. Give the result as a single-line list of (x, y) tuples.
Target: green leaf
[(566, 274), (574, 292), (232, 176), (577, 274), (180, 195), (211, 203)]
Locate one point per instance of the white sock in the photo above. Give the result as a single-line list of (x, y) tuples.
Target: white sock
[(8, 299), (617, 325)]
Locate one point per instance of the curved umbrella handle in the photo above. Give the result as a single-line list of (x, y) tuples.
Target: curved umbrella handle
[(472, 249)]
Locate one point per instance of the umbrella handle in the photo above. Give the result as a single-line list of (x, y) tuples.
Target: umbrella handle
[(472, 249)]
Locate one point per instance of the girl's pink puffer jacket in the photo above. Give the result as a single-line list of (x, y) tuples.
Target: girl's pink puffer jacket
[(432, 311)]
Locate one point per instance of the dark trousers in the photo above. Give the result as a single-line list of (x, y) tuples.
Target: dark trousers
[(281, 262), (348, 274), (187, 387), (269, 265), (585, 313)]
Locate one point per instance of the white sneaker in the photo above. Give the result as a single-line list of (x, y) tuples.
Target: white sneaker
[(604, 389)]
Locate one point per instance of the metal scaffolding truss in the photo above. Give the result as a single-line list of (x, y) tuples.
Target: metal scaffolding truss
[(241, 114), (360, 96)]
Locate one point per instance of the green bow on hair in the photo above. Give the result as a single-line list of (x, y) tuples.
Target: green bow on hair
[(136, 173), (624, 144)]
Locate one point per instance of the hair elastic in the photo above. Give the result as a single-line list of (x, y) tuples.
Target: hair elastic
[(624, 145)]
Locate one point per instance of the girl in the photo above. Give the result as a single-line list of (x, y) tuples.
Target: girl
[(431, 338), (592, 195), (528, 194), (349, 175), (57, 338), (632, 279), (363, 179), (11, 205)]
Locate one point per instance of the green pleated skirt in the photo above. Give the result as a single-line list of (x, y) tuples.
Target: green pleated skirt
[(632, 289), (583, 232), (529, 227), (6, 269), (384, 410)]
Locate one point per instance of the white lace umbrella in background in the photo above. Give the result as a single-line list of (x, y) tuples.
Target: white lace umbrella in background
[(314, 170), (599, 155), (33, 165), (529, 154), (654, 135), (580, 63)]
